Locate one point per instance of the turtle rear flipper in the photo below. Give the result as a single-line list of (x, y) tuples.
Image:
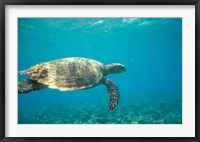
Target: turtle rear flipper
[(27, 85), (113, 93)]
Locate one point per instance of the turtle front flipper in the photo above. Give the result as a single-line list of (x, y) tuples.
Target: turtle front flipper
[(27, 85), (113, 93)]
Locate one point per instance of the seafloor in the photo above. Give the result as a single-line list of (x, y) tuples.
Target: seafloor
[(157, 112)]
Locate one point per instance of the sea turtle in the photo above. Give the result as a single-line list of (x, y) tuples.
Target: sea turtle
[(69, 74)]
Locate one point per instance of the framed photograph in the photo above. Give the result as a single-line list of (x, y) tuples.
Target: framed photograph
[(100, 70)]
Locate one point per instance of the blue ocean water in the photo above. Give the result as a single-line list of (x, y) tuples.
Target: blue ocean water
[(150, 89)]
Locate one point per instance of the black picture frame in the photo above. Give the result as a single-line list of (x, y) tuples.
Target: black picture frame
[(99, 2)]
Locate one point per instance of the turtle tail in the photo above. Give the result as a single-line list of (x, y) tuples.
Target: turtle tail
[(113, 93), (22, 72), (27, 85)]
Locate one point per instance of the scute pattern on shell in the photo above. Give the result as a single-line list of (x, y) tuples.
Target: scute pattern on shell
[(70, 74), (37, 72)]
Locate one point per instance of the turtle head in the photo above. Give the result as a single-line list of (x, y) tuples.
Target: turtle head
[(115, 68)]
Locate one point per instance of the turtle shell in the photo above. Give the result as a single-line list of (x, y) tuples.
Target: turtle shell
[(68, 74)]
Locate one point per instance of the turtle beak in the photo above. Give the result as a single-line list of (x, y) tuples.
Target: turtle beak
[(122, 68)]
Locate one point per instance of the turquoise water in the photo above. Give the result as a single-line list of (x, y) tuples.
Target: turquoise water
[(150, 89)]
